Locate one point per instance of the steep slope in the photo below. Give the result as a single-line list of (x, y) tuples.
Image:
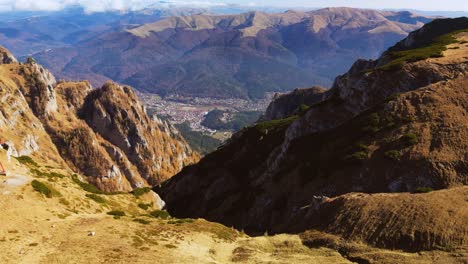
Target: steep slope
[(378, 130), (49, 134), (234, 56), (105, 134), (293, 103)]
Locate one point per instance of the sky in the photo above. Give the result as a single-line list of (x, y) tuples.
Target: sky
[(103, 5)]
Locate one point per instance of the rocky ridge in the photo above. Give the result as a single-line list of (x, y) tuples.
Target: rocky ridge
[(104, 134)]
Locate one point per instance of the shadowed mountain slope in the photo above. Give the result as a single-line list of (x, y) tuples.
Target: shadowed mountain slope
[(380, 130)]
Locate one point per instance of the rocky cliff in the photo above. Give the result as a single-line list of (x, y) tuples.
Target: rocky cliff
[(397, 124), (104, 134), (293, 103)]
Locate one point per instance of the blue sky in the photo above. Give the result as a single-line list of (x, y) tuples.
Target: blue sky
[(100, 5)]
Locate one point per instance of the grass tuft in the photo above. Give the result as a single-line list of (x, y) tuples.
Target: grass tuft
[(96, 198), (26, 160), (116, 213), (423, 190), (160, 214)]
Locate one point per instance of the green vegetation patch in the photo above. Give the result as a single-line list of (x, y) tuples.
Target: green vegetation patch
[(26, 160), (423, 190), (96, 198), (433, 50), (237, 120), (393, 155), (276, 124), (198, 141), (50, 175), (160, 214), (409, 138), (144, 206), (141, 191), (86, 186), (116, 213), (142, 221), (43, 188), (302, 109)]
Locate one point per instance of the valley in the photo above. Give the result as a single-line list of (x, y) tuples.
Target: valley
[(175, 132), (188, 115)]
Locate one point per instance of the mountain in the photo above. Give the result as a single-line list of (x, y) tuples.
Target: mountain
[(233, 56), (55, 136), (379, 159), (32, 32), (104, 133)]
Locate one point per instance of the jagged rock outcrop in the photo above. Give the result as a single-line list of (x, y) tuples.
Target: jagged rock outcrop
[(6, 57), (117, 115), (104, 134), (402, 129), (290, 104)]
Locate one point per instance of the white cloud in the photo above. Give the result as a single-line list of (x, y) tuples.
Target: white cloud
[(96, 5), (103, 5)]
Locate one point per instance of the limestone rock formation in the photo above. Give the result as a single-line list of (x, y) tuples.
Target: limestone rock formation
[(104, 134)]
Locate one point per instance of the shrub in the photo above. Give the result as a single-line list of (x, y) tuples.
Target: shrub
[(26, 160), (96, 198), (423, 190), (362, 147), (50, 175), (144, 206), (40, 187), (141, 221), (393, 97), (86, 186), (116, 213), (140, 191), (160, 214), (372, 123), (410, 138), (302, 109), (393, 154), (30, 60), (358, 156)]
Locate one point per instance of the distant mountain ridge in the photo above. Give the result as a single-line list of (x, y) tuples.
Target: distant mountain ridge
[(234, 56)]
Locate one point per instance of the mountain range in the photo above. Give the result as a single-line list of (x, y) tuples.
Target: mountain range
[(373, 170), (233, 56)]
